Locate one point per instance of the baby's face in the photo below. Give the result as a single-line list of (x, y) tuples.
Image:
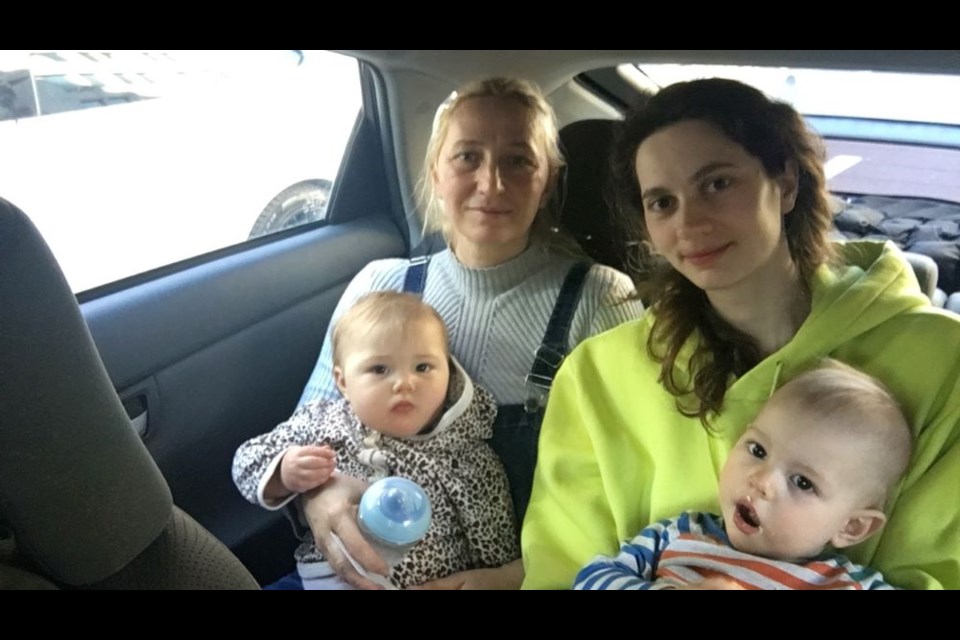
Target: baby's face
[(396, 380), (792, 483)]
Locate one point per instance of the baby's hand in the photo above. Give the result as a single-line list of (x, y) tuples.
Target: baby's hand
[(306, 468), (713, 583), (717, 584)]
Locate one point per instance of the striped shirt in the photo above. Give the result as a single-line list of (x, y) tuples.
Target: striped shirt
[(496, 317), (693, 547)]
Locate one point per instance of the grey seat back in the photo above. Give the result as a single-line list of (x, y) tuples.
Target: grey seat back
[(80, 496)]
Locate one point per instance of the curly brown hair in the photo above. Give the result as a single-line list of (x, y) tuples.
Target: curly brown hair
[(775, 134)]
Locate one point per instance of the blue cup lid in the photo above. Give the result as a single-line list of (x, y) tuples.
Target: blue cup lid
[(395, 510)]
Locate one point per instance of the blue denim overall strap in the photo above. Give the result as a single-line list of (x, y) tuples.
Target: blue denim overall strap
[(517, 429), (416, 276)]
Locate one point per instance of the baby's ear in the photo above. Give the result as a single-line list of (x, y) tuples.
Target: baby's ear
[(340, 380), (859, 526)]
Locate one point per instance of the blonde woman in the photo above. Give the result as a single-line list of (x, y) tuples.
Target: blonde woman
[(511, 289)]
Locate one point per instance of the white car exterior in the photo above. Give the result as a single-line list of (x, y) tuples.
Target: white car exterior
[(121, 189)]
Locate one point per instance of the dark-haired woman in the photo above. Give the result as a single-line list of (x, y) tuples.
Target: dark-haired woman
[(747, 291)]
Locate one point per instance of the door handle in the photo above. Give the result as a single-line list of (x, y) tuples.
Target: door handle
[(137, 401)]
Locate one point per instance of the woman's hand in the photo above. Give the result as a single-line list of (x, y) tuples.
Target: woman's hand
[(332, 509), (509, 576)]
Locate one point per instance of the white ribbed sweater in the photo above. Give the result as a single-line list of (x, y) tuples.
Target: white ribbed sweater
[(496, 317)]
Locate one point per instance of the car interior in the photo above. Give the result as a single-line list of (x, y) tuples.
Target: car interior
[(121, 406)]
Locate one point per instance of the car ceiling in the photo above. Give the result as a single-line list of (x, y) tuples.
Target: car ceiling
[(551, 68)]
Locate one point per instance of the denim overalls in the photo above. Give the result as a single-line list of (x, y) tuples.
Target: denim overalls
[(517, 428)]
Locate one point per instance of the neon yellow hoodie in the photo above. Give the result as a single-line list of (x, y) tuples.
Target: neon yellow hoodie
[(616, 455)]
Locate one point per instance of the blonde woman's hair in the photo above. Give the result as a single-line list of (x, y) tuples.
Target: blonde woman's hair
[(382, 311), (546, 137)]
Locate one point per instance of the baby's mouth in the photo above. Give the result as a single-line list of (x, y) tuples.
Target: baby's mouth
[(745, 517), (402, 406)]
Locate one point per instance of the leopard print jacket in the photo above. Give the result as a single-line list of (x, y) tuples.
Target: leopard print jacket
[(473, 523)]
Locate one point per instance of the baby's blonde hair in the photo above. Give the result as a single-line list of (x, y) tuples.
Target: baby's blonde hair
[(382, 311), (859, 405)]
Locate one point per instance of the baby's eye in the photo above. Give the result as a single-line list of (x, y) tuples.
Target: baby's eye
[(802, 482), (756, 450), (423, 367), (377, 369), (717, 184), (663, 204)]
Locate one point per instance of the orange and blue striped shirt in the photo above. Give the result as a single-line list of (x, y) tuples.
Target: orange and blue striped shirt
[(695, 546)]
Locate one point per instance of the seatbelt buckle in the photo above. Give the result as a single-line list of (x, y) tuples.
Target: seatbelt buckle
[(538, 388), (548, 356)]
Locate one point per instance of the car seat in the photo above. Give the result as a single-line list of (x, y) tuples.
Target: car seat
[(927, 272), (584, 210), (82, 503)]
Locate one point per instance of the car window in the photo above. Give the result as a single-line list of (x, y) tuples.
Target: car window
[(131, 160), (890, 134)]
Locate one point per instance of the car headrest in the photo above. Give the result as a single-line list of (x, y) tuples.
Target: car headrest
[(584, 211), (926, 271), (78, 489)]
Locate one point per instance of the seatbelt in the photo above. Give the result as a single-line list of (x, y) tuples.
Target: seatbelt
[(416, 276), (553, 347)]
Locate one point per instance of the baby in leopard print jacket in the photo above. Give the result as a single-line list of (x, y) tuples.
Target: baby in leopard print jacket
[(410, 410)]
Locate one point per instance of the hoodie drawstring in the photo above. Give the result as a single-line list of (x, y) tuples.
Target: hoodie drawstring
[(776, 378)]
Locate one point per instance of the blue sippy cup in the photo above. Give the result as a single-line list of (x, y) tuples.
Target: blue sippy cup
[(394, 515)]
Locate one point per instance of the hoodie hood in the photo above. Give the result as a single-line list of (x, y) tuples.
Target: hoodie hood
[(872, 283), (460, 397)]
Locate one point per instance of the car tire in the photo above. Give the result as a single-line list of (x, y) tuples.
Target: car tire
[(296, 205)]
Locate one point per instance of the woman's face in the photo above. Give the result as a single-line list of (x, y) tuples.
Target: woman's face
[(711, 209), (491, 176)]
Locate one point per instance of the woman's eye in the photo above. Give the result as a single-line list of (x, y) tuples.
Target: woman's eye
[(717, 184), (423, 367), (756, 450), (519, 162), (802, 482), (662, 204), (467, 157)]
